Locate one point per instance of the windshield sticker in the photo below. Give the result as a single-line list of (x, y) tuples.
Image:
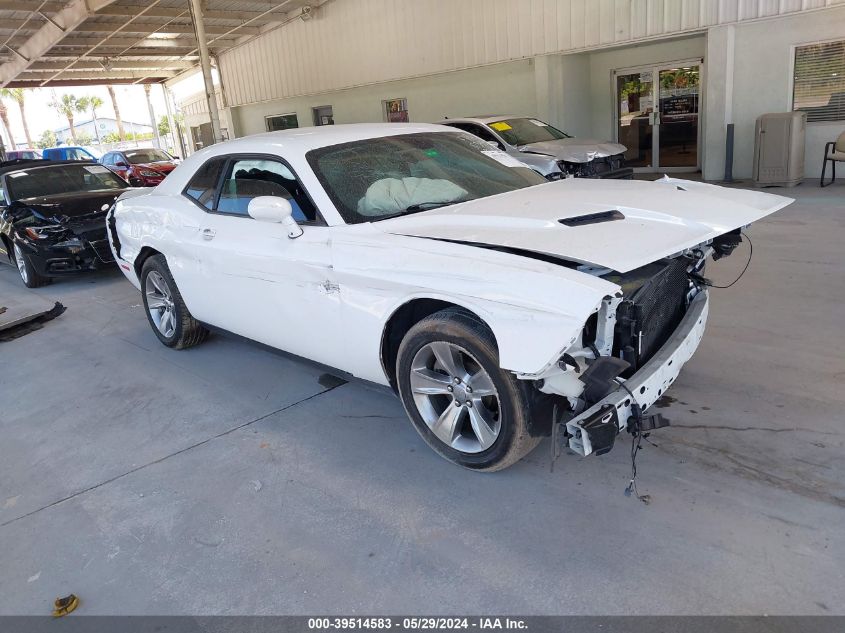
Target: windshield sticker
[(504, 159), (95, 169), (501, 126), (537, 123)]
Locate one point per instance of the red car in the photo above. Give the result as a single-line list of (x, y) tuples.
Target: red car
[(144, 167)]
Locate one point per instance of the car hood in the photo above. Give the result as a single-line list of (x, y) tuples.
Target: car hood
[(575, 150), (164, 167), (66, 207), (620, 225)]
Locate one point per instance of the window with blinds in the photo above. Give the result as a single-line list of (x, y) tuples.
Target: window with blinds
[(819, 82)]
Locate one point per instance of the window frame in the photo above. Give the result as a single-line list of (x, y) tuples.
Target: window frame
[(273, 116), (480, 127), (228, 159), (790, 96)]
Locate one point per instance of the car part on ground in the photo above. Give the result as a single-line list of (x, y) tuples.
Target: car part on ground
[(551, 152), (52, 221), (500, 306)]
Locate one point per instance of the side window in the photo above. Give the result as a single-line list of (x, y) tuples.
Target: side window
[(485, 135), (478, 130), (248, 178), (108, 159), (203, 186)]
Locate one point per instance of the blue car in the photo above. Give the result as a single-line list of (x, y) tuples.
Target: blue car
[(68, 152)]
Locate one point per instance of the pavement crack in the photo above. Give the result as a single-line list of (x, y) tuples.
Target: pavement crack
[(174, 454)]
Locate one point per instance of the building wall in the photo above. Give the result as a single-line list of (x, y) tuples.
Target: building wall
[(504, 88), (352, 43), (746, 70), (758, 81), (106, 126)]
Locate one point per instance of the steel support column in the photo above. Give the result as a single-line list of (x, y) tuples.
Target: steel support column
[(205, 64)]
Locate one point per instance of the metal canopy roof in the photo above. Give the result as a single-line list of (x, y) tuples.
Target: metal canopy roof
[(77, 42)]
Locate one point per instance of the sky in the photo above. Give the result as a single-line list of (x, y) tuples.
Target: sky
[(130, 99)]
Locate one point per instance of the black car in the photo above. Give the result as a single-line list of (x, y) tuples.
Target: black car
[(53, 217)]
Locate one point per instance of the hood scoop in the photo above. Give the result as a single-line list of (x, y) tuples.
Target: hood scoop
[(592, 218)]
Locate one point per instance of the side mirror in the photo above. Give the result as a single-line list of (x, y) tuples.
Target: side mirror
[(493, 144), (274, 209), (120, 164)]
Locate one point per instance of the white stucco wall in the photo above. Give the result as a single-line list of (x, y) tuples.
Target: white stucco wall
[(505, 88), (575, 91), (761, 83)]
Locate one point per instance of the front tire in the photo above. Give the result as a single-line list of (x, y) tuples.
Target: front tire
[(28, 274), (461, 402), (166, 311)]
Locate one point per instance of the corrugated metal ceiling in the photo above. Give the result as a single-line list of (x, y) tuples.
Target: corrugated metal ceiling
[(128, 43)]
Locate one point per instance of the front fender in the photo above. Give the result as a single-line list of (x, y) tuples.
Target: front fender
[(535, 309), (540, 163)]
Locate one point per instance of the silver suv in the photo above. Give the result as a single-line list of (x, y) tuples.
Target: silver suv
[(547, 150)]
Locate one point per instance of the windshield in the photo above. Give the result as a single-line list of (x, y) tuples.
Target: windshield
[(138, 156), (379, 178), (526, 131), (51, 181), (23, 155)]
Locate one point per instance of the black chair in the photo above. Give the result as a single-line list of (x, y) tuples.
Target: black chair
[(834, 152)]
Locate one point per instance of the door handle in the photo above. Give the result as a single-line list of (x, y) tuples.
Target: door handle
[(208, 234)]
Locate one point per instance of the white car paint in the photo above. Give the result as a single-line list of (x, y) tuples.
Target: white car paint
[(661, 218), (328, 294)]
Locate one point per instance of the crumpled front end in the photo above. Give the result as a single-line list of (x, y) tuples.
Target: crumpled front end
[(76, 245), (580, 158), (630, 351)]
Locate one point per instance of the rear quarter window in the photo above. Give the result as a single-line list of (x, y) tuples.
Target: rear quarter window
[(202, 188)]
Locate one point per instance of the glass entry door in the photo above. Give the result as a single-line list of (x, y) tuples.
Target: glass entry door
[(659, 133)]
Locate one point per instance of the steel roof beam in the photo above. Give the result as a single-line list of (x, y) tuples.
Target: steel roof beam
[(137, 27), (112, 65), (124, 10), (64, 21), (102, 74)]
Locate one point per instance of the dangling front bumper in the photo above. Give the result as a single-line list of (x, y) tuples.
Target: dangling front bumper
[(588, 431)]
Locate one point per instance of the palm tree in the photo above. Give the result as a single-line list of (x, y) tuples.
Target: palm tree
[(117, 118), (18, 95), (4, 117), (68, 106), (95, 102)]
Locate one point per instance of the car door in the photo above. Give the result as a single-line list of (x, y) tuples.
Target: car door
[(120, 165), (260, 283)]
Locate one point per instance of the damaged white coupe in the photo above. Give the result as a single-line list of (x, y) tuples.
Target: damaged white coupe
[(500, 307)]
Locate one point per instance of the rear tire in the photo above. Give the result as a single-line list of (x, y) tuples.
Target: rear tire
[(28, 274), (462, 403), (166, 311)]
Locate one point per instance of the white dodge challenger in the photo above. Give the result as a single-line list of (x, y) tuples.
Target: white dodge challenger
[(498, 305)]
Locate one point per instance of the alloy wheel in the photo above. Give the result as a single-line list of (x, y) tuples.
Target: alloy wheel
[(455, 397), (21, 263), (160, 303)]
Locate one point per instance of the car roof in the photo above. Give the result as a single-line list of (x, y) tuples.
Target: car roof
[(304, 139), (20, 164)]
